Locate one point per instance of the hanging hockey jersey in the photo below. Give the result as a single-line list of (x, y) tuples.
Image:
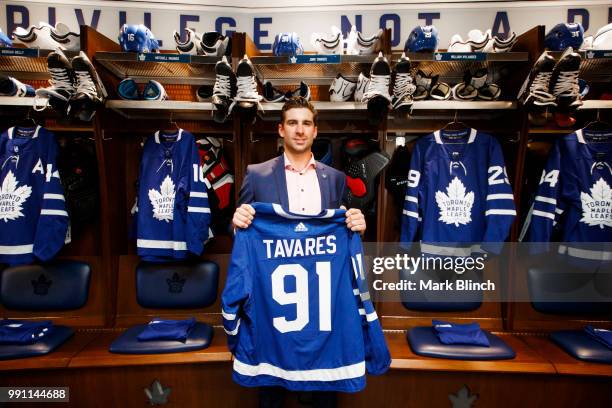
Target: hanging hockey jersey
[(296, 306), (33, 218), (172, 206), (458, 192), (574, 199)]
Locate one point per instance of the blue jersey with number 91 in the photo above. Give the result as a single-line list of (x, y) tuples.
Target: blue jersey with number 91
[(296, 306)]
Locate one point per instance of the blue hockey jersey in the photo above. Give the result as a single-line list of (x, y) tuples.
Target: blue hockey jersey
[(458, 192), (296, 306), (172, 209), (574, 197), (33, 218)]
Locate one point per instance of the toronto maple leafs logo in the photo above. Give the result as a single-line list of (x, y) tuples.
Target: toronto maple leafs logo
[(463, 399), (597, 206), (157, 393), (455, 205), (12, 198), (163, 200)]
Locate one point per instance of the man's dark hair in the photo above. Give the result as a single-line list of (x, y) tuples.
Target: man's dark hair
[(299, 102)]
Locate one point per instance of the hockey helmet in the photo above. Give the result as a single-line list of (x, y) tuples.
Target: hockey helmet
[(602, 40), (137, 38), (563, 36), (287, 44), (422, 39)]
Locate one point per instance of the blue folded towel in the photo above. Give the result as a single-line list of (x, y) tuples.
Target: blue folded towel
[(453, 333), (166, 329), (23, 332), (604, 336)]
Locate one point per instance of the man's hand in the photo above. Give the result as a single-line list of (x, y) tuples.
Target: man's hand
[(355, 220), (243, 217)]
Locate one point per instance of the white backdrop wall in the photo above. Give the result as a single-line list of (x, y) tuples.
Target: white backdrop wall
[(263, 20)]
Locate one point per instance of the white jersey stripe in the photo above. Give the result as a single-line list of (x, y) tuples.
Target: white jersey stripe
[(544, 214), (500, 197), (412, 199), (228, 316), (160, 244), (546, 200), (49, 196), (411, 214), (198, 209), (54, 212), (500, 212), (16, 249), (323, 374), (198, 194), (449, 251), (370, 317), (586, 253)]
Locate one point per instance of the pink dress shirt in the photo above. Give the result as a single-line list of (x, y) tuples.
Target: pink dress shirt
[(303, 188)]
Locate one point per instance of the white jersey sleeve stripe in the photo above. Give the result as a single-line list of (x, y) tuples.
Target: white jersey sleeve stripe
[(546, 200), (412, 199), (49, 196), (411, 214), (198, 194), (54, 212), (228, 316), (370, 317), (198, 209), (500, 212), (543, 214), (500, 197)]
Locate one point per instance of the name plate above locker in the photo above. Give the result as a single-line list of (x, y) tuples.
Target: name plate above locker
[(157, 57), (20, 52), (460, 56), (315, 59), (595, 54)]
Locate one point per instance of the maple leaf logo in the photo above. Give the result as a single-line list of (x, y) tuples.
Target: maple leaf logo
[(163, 200), (455, 205), (597, 205), (12, 198)]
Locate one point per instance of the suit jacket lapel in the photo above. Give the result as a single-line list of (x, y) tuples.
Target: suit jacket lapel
[(281, 182), (323, 186)]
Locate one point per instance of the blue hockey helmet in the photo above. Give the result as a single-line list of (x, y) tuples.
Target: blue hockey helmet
[(137, 38), (563, 36), (287, 44), (422, 39)]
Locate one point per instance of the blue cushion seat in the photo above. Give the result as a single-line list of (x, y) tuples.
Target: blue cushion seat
[(581, 346), (199, 338), (55, 338), (424, 342)]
